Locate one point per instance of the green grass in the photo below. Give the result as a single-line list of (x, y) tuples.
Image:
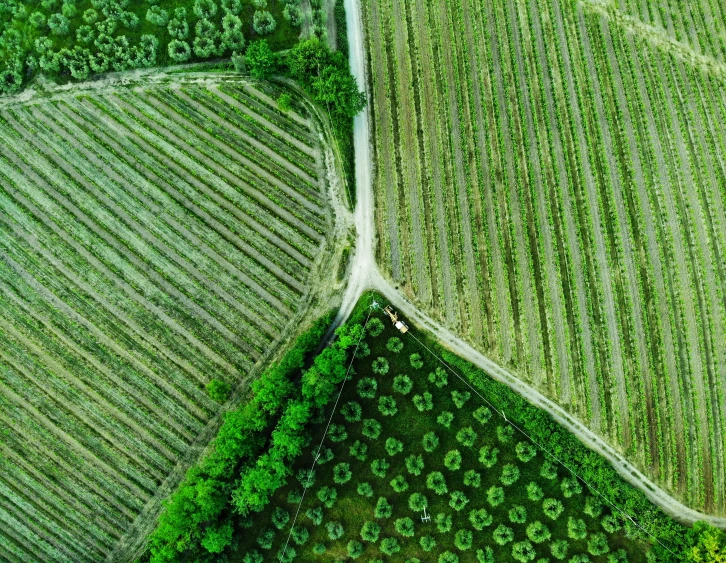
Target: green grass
[(409, 425)]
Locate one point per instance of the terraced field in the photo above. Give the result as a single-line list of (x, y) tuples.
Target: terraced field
[(550, 183), (152, 238)]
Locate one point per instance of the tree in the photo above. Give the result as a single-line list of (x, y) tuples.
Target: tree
[(463, 540), (488, 456), (217, 537), (280, 517), (423, 402), (265, 539), (598, 544), (452, 460), (437, 483), (365, 490), (387, 405), (458, 501), (355, 549), (393, 446), (523, 551), (548, 470), (399, 484), (416, 360), (538, 532), (300, 535), (414, 464), (445, 419), (380, 366), (503, 535), (504, 434), (427, 543), (518, 514), (394, 344), (472, 479), (443, 522), (534, 492), (466, 437), (593, 506), (485, 555), (319, 548), (402, 384), (286, 554), (379, 467), (620, 556), (178, 28), (390, 546), (525, 451), (404, 526), (351, 411), (205, 8), (510, 474), (260, 60), (158, 16), (367, 387), (460, 398), (439, 378), (570, 486), (383, 508), (292, 15), (448, 557), (370, 531), (342, 473), (179, 51), (430, 442), (327, 495), (253, 556), (337, 433), (480, 519), (375, 325), (218, 390), (576, 528), (552, 508), (37, 20), (559, 548), (315, 515), (580, 558), (371, 428), (610, 523), (359, 450), (263, 22), (495, 496), (482, 415), (417, 502)]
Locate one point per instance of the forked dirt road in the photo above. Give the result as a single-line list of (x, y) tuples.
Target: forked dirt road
[(364, 275)]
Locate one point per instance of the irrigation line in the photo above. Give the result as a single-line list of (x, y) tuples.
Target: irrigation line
[(317, 455), (553, 456)]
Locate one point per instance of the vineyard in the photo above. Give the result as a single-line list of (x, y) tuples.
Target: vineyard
[(152, 239), (550, 183)]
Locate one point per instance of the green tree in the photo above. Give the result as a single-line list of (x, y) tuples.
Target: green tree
[(367, 387), (351, 411), (466, 437), (518, 514), (485, 555), (423, 402), (260, 60), (597, 544), (525, 451), (443, 522), (304, 60), (263, 22), (488, 456), (452, 460), (218, 390), (59, 24), (510, 474), (365, 490), (399, 484), (458, 501), (415, 464), (523, 551), (472, 479), (217, 537), (394, 344), (300, 534), (315, 515), (495, 496), (402, 384), (482, 415), (460, 398), (404, 526), (448, 557), (179, 51), (538, 532), (427, 543), (430, 442), (380, 366), (280, 517), (576, 528), (503, 535), (393, 446), (559, 548), (359, 450), (355, 549), (383, 508), (390, 546), (463, 540), (534, 492), (417, 502), (335, 530), (342, 473), (439, 378), (379, 467), (570, 486), (480, 519), (415, 359), (552, 508), (371, 429), (370, 531), (387, 405), (328, 496)]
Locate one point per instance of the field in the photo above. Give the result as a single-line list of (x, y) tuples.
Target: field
[(153, 237), (550, 183), (407, 434)]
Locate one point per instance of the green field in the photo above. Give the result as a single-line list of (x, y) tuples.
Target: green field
[(550, 184), (153, 237)]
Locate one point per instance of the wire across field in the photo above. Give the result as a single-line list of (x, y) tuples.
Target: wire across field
[(151, 239), (550, 184)]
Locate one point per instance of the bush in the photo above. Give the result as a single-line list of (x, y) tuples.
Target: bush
[(371, 428), (365, 490), (355, 549), (351, 411), (416, 361), (495, 496), (466, 437), (404, 526), (379, 467), (458, 501), (576, 528), (460, 398), (485, 555), (300, 535), (598, 544), (387, 405), (558, 549), (518, 514), (315, 515), (552, 508), (359, 450), (260, 60), (439, 378), (510, 474), (399, 484), (538, 532), (423, 402), (335, 530), (337, 433), (548, 470), (266, 537), (443, 522), (503, 535), (393, 446), (179, 51), (319, 548), (417, 502), (570, 487), (593, 506), (427, 543), (472, 479), (463, 540), (402, 384), (525, 451), (370, 531), (390, 546), (280, 517), (430, 442), (482, 415), (523, 551), (534, 492), (505, 434), (218, 390), (383, 508), (610, 523), (452, 460), (367, 387), (488, 456), (374, 327), (480, 519), (327, 495), (380, 366), (394, 344), (445, 419), (342, 473), (448, 557), (415, 464)]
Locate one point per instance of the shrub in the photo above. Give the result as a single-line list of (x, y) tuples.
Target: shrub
[(423, 402), (342, 473), (266, 537), (504, 434), (404, 526), (371, 428), (445, 419), (480, 519), (443, 522), (430, 442), (379, 467), (482, 415), (383, 508), (598, 544), (576, 528), (452, 460), (463, 540), (495, 496), (610, 523), (538, 532), (337, 433), (593, 506), (394, 344), (319, 548), (558, 549), (518, 514), (390, 546), (510, 474), (472, 479), (387, 405), (327, 495), (402, 384), (280, 517), (448, 557), (370, 531), (367, 387), (359, 450), (503, 535), (374, 327), (417, 502), (351, 411), (523, 551), (416, 361), (315, 515), (393, 446), (488, 456), (460, 398), (414, 464), (458, 501), (485, 555), (439, 378), (427, 543), (552, 508), (619, 556), (548, 470), (570, 487), (365, 490), (300, 534), (263, 22), (534, 492), (380, 366), (399, 484), (525, 451), (335, 530), (466, 437), (437, 483), (355, 549)]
